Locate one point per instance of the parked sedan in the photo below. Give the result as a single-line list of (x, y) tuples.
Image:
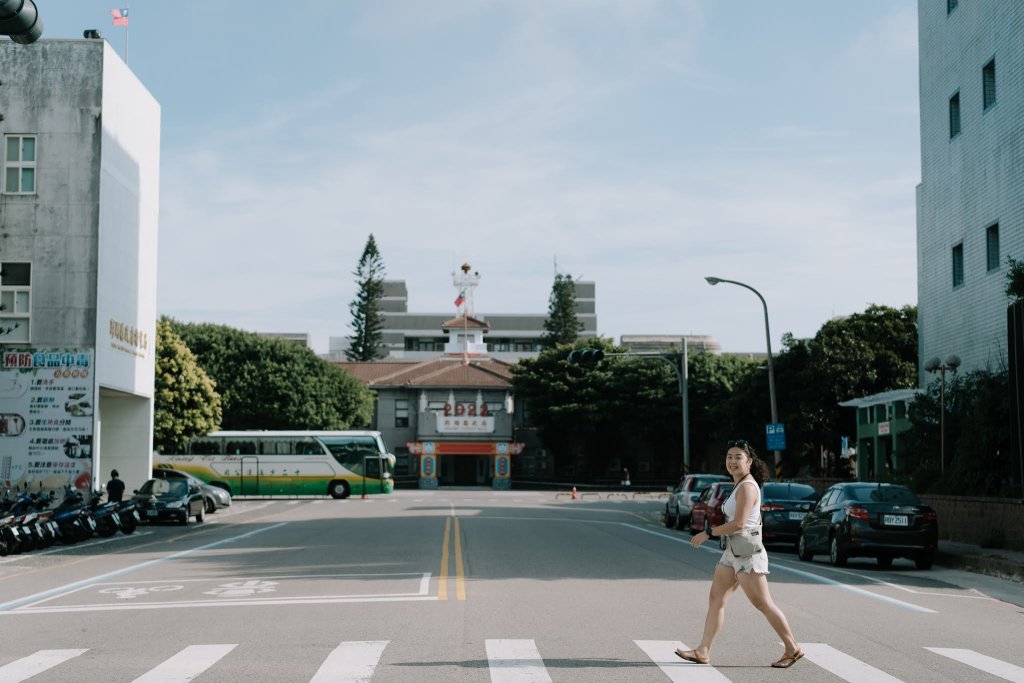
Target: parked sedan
[(680, 503), (161, 500), (709, 506), (870, 520), (783, 507), (215, 496)]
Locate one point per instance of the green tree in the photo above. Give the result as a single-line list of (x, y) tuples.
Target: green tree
[(366, 342), (185, 402), (1014, 279), (561, 326), (275, 384)]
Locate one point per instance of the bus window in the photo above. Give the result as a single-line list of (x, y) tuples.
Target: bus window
[(349, 451), (208, 446), (241, 447), (308, 447), (276, 446)]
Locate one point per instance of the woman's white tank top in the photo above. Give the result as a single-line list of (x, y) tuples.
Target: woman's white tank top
[(729, 506)]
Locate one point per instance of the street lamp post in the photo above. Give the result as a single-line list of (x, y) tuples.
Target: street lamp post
[(934, 365), (771, 366)]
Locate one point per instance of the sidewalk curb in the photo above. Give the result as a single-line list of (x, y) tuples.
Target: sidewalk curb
[(990, 565)]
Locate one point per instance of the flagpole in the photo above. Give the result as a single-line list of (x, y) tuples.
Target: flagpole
[(126, 27)]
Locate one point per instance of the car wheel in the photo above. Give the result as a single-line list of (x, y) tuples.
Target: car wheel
[(209, 506), (670, 522), (184, 518), (924, 561), (338, 490), (836, 554), (681, 522), (199, 515), (802, 551)]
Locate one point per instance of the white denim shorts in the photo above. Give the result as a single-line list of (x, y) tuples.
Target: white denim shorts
[(756, 563)]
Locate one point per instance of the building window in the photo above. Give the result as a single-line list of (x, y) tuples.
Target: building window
[(951, 5), (954, 115), (19, 164), (15, 301), (401, 412), (988, 84), (992, 247), (958, 265)]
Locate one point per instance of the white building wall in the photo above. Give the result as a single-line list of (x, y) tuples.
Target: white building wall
[(971, 181)]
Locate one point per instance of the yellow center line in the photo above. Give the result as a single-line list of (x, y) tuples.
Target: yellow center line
[(442, 578), (460, 580)]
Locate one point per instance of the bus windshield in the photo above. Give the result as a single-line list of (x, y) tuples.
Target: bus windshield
[(351, 452)]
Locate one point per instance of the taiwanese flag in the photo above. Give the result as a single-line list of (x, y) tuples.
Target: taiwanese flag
[(120, 16), (460, 299)]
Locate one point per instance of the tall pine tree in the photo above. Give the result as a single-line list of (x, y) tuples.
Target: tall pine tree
[(562, 326), (367, 341)]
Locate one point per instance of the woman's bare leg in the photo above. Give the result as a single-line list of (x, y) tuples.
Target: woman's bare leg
[(723, 585), (755, 586)]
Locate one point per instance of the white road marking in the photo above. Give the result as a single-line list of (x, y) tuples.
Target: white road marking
[(55, 592), (186, 665), (1004, 670), (351, 662), (678, 670), (843, 665), (515, 661), (27, 667)]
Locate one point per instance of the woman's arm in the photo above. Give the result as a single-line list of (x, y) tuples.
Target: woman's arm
[(745, 500)]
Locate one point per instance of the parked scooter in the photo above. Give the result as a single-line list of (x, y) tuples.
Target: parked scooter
[(105, 515), (73, 517)]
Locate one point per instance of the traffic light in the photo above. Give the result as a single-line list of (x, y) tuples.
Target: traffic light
[(20, 20), (586, 357)]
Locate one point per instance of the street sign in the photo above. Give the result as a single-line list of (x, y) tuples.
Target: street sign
[(776, 433)]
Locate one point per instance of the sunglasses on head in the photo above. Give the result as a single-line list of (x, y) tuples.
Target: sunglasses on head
[(739, 443)]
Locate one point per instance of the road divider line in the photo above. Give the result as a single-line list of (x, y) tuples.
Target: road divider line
[(351, 662), (678, 670), (990, 665), (844, 666), (515, 661), (27, 667), (777, 565), (442, 577), (186, 665), (460, 574), (60, 590)]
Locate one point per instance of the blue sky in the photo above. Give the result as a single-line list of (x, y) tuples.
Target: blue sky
[(643, 144)]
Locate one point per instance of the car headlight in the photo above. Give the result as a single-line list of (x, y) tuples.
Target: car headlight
[(174, 505)]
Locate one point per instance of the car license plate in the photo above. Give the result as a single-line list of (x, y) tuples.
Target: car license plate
[(895, 520), (151, 513), (796, 516)]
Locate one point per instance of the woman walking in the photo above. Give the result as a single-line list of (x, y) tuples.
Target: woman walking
[(742, 510)]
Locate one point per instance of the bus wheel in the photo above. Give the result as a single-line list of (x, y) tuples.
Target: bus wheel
[(338, 489)]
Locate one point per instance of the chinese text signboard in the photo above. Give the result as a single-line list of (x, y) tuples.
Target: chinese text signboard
[(46, 418)]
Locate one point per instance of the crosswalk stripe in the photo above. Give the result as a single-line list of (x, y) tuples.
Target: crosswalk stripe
[(515, 661), (663, 653), (1004, 670), (351, 662), (27, 667), (843, 665), (186, 665)]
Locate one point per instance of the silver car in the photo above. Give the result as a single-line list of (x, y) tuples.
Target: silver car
[(680, 503)]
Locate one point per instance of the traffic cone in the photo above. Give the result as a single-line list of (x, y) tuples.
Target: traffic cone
[(574, 493)]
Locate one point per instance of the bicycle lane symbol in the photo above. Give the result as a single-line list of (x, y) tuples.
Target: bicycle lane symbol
[(131, 592)]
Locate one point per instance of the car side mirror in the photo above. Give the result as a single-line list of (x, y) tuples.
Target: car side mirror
[(193, 488)]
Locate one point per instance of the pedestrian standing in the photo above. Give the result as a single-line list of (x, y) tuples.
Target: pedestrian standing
[(742, 510), (115, 488), (625, 477)]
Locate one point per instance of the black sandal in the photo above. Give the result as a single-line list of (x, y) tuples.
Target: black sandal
[(786, 661)]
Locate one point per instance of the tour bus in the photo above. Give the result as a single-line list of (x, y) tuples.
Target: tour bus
[(288, 463)]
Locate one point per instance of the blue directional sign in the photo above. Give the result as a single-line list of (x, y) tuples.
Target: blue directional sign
[(776, 433)]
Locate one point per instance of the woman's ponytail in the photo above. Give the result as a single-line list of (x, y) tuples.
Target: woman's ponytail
[(758, 467)]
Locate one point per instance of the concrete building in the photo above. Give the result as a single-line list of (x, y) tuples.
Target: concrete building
[(419, 336), (970, 203), (668, 343), (449, 420), (79, 210)]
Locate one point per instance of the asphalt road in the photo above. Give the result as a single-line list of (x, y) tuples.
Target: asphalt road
[(473, 585)]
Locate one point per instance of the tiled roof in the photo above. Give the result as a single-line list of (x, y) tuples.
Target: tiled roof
[(464, 321), (438, 372)]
